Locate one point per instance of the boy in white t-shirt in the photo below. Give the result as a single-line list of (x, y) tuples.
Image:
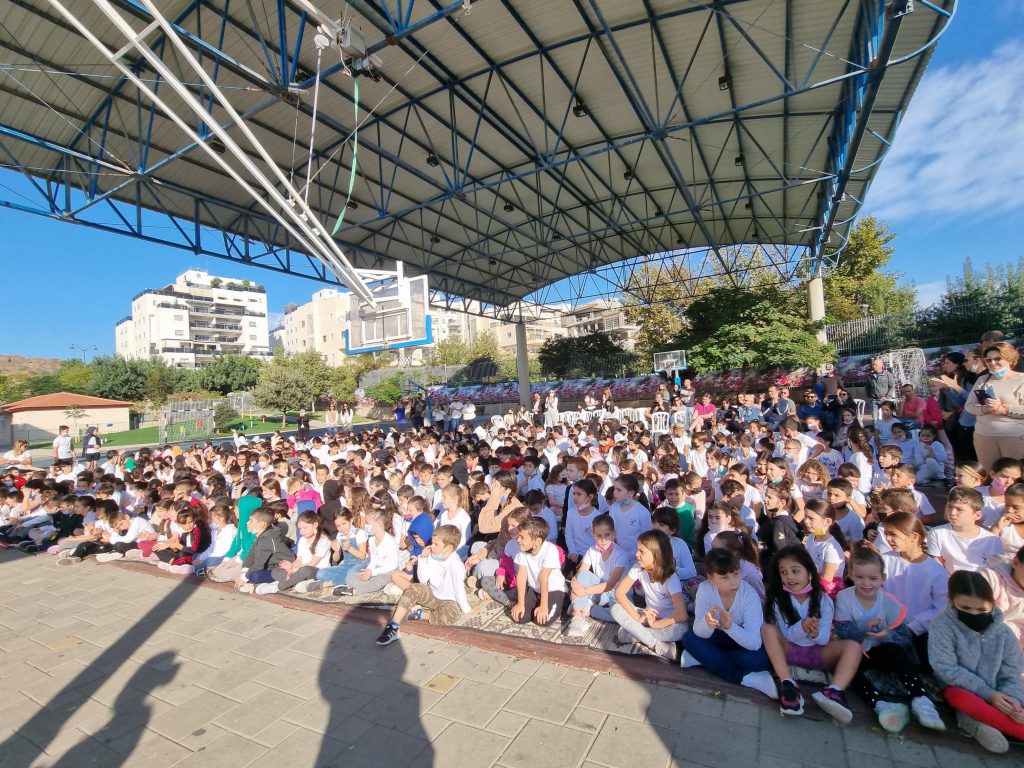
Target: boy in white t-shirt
[(441, 591), (963, 545), (540, 585)]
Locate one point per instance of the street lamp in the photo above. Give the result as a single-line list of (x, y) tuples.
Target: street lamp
[(84, 350)]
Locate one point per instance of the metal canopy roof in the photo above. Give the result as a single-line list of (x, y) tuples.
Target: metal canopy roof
[(563, 135)]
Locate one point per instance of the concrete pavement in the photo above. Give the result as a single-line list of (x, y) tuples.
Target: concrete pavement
[(110, 666)]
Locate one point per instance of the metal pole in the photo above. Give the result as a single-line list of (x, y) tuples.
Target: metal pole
[(816, 305), (523, 363)]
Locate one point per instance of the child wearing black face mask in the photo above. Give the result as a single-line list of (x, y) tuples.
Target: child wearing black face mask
[(979, 659)]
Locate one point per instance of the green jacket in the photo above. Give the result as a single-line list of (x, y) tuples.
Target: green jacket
[(243, 539)]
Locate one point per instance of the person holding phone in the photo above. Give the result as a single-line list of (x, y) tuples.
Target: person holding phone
[(997, 400)]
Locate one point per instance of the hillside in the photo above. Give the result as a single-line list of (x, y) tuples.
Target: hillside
[(20, 364)]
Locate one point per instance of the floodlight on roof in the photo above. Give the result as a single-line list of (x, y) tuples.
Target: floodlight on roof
[(627, 174), (725, 82), (432, 160), (580, 110), (508, 207), (739, 160)]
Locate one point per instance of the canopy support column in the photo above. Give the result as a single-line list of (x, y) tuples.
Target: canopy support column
[(816, 305), (522, 363)]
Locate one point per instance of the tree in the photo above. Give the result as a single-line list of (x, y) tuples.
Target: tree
[(751, 328), (74, 376), (215, 281), (231, 373), (450, 351), (388, 392), (289, 308), (976, 302), (508, 368), (74, 412), (159, 381), (654, 299), (860, 277), (118, 379), (314, 370), (224, 416), (44, 384), (564, 356), (283, 388), (483, 348)]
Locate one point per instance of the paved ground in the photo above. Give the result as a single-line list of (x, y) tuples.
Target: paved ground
[(106, 666)]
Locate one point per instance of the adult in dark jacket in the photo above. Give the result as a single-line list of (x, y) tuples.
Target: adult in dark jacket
[(881, 386)]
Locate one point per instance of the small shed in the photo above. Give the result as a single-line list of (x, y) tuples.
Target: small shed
[(37, 419)]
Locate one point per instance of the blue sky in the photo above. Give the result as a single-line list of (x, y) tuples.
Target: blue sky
[(950, 188)]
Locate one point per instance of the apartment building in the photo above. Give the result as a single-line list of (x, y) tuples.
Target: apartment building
[(602, 317), (194, 320)]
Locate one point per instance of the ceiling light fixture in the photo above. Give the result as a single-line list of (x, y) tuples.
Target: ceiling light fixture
[(580, 110), (432, 160), (509, 207), (725, 82)]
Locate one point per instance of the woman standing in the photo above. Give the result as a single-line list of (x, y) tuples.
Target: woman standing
[(91, 448), (958, 423), (550, 410), (538, 410), (345, 417), (997, 401), (331, 420)]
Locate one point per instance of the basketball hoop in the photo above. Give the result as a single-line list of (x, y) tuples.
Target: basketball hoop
[(397, 319)]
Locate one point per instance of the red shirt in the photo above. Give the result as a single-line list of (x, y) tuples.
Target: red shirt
[(912, 408)]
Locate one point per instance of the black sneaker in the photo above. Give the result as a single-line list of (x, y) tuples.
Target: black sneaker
[(833, 701), (388, 636), (343, 591), (790, 700)]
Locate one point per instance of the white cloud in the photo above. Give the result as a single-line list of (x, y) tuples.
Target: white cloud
[(960, 149), (929, 293)]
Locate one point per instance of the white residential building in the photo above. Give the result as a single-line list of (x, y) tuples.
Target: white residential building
[(194, 320), (603, 317), (317, 325)]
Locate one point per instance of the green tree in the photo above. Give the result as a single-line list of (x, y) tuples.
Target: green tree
[(450, 351), (224, 416), (742, 328), (282, 388), (316, 373), (976, 302), (75, 412), (860, 277), (655, 298), (118, 379), (231, 373), (508, 368), (13, 387), (75, 376), (44, 384), (159, 381), (388, 392), (564, 356), (483, 348)]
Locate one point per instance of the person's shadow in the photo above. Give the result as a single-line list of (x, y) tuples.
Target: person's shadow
[(374, 709)]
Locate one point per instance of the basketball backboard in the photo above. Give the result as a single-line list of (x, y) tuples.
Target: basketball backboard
[(399, 319), (670, 361)]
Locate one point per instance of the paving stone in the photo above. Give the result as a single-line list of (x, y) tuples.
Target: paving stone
[(228, 751), (432, 725), (249, 719), (275, 733), (524, 666), (510, 680), (544, 745), (619, 696), (623, 743), (586, 719), (472, 703), (323, 715), (191, 723), (545, 699), (716, 742), (581, 678), (441, 683), (381, 746), (869, 741), (302, 749), (670, 707), (151, 750), (801, 739), (912, 753), (550, 672), (507, 723), (461, 746), (956, 757), (400, 708), (481, 666)]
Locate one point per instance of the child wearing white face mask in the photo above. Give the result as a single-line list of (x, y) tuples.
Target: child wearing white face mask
[(717, 519)]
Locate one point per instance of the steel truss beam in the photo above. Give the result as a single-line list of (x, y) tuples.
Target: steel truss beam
[(580, 219)]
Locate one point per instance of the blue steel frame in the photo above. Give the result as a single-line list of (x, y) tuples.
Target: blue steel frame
[(583, 227)]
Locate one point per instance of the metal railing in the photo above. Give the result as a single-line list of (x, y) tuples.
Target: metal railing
[(938, 326)]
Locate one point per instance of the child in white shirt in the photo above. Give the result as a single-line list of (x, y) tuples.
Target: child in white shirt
[(540, 585), (963, 545), (455, 500), (593, 588)]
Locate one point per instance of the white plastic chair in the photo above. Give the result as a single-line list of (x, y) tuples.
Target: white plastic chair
[(497, 421), (659, 424), (569, 418)]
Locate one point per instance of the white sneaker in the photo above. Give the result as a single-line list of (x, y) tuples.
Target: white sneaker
[(987, 736), (267, 589), (392, 590), (472, 583), (665, 650), (133, 554), (622, 637), (247, 589), (107, 557), (303, 586), (686, 660), (892, 717), (926, 714), (578, 626), (763, 682)]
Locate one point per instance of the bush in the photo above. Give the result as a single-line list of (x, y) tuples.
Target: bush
[(224, 415), (388, 392)]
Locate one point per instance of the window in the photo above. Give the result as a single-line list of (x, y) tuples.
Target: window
[(179, 317), (325, 338), (252, 337), (179, 332), (252, 324)]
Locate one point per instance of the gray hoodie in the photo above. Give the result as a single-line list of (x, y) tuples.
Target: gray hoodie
[(982, 663), (269, 549)]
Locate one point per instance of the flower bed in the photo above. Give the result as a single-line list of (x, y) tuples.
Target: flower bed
[(640, 388)]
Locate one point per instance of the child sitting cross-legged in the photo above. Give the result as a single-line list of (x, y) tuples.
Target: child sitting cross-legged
[(726, 635), (540, 585), (593, 587), (314, 548), (441, 591), (269, 549), (349, 554)]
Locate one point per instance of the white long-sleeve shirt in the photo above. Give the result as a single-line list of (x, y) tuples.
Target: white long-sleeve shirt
[(919, 586), (579, 532), (685, 569), (794, 633), (383, 555), (747, 614), (446, 578), (631, 519), (460, 519)]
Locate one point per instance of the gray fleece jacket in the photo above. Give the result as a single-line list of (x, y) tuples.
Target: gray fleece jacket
[(982, 663)]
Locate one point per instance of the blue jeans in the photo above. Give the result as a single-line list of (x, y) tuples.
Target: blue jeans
[(724, 657), (338, 574), (590, 602)]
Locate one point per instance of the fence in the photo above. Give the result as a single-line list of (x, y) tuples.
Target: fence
[(938, 326)]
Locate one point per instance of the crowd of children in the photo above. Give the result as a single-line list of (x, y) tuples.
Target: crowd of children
[(740, 545)]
